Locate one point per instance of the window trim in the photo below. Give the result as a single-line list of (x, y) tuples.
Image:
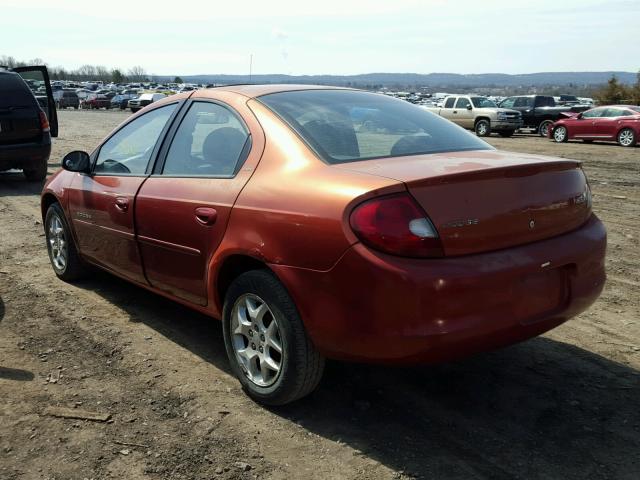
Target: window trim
[(161, 159), (152, 159)]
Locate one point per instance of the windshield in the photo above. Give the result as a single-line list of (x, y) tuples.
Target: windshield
[(346, 126), (481, 102)]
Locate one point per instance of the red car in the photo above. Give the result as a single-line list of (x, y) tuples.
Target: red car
[(613, 123), (96, 100), (313, 235)]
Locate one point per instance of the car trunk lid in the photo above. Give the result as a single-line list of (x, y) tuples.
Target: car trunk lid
[(487, 200)]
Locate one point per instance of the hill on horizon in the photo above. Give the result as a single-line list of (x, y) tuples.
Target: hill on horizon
[(416, 79)]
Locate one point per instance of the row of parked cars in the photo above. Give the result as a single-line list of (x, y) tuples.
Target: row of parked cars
[(127, 99), (541, 114)]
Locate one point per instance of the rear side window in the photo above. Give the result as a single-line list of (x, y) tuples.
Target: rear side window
[(524, 102), (129, 150), (209, 142), (14, 92), (449, 102), (345, 126)]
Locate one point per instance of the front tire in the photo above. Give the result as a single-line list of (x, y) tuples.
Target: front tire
[(63, 254), (560, 134), (483, 128), (266, 343), (543, 128), (627, 138)]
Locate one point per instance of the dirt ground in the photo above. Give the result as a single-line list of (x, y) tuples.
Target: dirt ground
[(562, 406)]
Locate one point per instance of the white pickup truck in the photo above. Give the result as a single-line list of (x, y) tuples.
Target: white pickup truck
[(480, 115)]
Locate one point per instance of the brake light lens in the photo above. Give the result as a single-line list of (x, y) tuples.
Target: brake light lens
[(44, 122), (397, 225)]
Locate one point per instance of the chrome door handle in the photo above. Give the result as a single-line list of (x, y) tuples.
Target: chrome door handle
[(206, 215), (122, 204)]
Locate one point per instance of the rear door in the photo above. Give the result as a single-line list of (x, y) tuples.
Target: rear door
[(447, 109), (182, 210), (102, 206), (607, 124), (38, 77)]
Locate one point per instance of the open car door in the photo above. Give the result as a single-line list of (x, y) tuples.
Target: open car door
[(37, 77)]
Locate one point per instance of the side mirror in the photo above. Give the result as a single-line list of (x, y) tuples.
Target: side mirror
[(469, 107), (77, 161)]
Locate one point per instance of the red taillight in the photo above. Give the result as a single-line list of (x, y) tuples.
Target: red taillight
[(396, 225), (44, 122)]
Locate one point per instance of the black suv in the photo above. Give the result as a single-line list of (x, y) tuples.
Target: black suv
[(25, 129)]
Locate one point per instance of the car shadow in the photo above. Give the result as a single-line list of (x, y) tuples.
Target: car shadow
[(13, 183), (539, 409)]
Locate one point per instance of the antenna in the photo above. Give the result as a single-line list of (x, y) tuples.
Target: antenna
[(250, 65)]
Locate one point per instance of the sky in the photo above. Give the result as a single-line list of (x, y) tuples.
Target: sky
[(340, 37)]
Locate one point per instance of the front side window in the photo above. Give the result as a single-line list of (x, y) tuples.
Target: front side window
[(593, 113), (345, 126), (463, 103), (481, 102), (508, 102), (208, 142), (129, 150)]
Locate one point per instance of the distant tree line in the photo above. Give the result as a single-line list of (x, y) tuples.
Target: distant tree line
[(83, 73), (616, 93)]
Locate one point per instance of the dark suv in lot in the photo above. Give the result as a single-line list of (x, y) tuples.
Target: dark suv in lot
[(25, 128), (65, 98)]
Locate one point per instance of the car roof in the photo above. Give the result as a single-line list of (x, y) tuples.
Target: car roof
[(254, 90)]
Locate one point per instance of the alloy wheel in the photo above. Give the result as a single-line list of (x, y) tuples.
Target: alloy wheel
[(57, 243), (256, 340), (626, 137)]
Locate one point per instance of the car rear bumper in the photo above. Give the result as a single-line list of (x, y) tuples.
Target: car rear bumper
[(379, 308), (24, 155)]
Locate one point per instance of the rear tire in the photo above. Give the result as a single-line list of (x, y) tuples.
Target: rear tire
[(543, 128), (63, 255), (627, 138), (483, 128), (38, 173), (299, 364)]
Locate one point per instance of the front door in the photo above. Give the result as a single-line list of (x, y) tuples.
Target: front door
[(463, 113), (585, 126), (102, 204), (183, 208)]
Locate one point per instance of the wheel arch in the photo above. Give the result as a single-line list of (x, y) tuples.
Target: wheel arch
[(48, 199), (232, 267), (475, 122)]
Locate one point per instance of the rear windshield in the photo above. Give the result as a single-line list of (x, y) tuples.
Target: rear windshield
[(14, 92), (346, 126)]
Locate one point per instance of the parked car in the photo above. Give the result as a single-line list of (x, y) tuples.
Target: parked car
[(480, 115), (121, 100), (95, 101), (66, 98), (267, 207), (143, 100), (613, 123), (25, 128), (539, 111)]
